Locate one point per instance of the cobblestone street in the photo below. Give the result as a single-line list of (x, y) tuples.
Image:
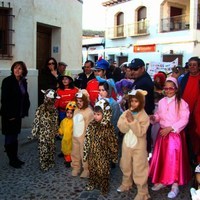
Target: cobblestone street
[(31, 183)]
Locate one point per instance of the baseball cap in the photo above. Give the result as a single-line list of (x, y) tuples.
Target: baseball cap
[(136, 63)]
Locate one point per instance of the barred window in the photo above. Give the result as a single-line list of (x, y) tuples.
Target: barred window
[(6, 32)]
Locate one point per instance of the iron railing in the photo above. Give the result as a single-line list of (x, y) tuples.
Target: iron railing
[(176, 23), (139, 28)]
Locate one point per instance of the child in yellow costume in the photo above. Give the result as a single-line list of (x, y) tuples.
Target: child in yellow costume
[(82, 117), (66, 129), (134, 123)]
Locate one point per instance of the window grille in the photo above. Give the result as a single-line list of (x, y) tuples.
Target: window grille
[(6, 32)]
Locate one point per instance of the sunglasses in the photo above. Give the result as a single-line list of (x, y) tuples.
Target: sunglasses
[(135, 68), (169, 88), (51, 63)]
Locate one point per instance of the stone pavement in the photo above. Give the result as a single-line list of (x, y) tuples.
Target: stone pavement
[(32, 184)]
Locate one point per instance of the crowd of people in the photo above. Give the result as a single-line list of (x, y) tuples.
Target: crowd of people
[(106, 115)]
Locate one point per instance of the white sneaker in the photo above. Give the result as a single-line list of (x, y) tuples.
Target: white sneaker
[(173, 193), (158, 186)]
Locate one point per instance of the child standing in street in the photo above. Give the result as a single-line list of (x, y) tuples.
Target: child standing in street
[(66, 130), (82, 117), (106, 88), (66, 91), (134, 123), (169, 164), (45, 127), (100, 147)]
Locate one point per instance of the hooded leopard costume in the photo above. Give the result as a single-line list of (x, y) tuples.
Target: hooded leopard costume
[(100, 148), (45, 127)]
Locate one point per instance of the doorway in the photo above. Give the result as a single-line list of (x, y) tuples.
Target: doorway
[(43, 52)]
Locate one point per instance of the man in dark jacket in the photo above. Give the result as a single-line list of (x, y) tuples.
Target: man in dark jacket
[(143, 81), (87, 75)]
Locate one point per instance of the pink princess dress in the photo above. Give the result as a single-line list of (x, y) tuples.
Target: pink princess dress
[(170, 163)]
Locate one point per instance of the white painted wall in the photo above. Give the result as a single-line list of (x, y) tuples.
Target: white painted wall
[(65, 16)]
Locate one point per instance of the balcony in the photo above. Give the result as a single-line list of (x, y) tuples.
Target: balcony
[(121, 31), (176, 23)]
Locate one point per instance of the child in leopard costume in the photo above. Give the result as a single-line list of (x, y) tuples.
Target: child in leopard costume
[(100, 147), (45, 127)]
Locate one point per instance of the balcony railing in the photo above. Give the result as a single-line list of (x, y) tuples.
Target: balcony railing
[(177, 23), (138, 28)]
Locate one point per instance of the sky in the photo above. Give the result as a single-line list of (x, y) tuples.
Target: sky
[(93, 15)]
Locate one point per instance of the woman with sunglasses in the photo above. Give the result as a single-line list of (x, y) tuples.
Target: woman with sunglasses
[(48, 78), (170, 163)]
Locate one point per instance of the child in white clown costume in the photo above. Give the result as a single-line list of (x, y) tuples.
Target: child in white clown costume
[(82, 117), (66, 130), (134, 123)]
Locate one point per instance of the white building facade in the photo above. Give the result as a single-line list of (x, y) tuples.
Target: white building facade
[(159, 30), (32, 31)]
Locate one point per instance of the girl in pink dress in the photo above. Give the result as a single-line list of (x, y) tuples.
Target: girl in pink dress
[(170, 164)]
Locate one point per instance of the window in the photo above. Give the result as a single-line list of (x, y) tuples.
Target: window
[(142, 25), (5, 32), (120, 25)]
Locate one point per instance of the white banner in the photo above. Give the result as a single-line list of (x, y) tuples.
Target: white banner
[(166, 67)]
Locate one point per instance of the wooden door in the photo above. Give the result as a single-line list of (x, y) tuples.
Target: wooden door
[(43, 52)]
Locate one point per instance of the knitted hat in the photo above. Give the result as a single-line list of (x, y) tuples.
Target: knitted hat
[(174, 80), (123, 83), (162, 78)]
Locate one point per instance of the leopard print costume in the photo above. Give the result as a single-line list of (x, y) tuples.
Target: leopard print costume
[(100, 148), (45, 127)]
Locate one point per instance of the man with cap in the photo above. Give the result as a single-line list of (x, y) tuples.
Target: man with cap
[(61, 68), (93, 85), (143, 81)]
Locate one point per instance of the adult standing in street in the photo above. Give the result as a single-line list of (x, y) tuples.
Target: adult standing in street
[(61, 68), (14, 106), (190, 86), (48, 77), (83, 78), (142, 80)]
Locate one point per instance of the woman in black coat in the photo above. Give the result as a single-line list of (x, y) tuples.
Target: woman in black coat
[(14, 106)]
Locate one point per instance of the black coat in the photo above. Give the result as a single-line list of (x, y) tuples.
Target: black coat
[(13, 104), (145, 82), (82, 80)]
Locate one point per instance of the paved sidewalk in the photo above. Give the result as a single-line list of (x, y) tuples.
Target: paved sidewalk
[(31, 183)]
